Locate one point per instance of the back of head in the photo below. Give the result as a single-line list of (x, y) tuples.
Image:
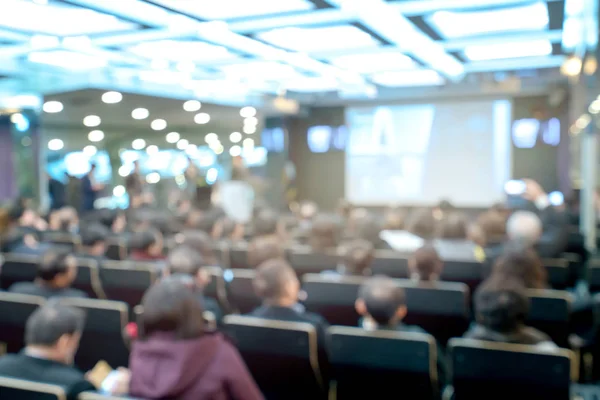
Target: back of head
[(142, 240), (266, 223), (170, 306), (324, 232), (421, 223), (382, 298), (493, 225), (524, 226), (184, 260), (394, 219), (264, 248), (521, 263), (54, 263), (199, 241), (368, 228), (357, 256), (94, 234), (50, 322), (501, 305), (273, 278), (426, 263), (453, 226)]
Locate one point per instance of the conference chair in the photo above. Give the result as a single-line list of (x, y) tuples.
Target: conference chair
[(15, 309), (116, 249), (65, 239), (127, 281), (216, 287), (18, 268), (282, 356), (240, 291), (469, 272), (20, 389), (390, 263), (102, 337), (307, 262), (559, 272), (99, 396), (88, 278), (375, 365), (238, 256), (332, 297), (494, 371), (549, 311)]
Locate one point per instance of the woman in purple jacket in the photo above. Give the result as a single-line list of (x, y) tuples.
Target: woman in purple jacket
[(175, 358)]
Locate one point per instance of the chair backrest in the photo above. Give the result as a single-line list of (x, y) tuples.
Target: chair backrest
[(332, 297), (73, 242), (88, 278), (550, 312), (99, 396), (116, 249), (238, 256), (127, 280), (216, 287), (11, 388), (391, 264), (102, 337), (489, 370), (559, 272), (312, 263), (282, 356), (376, 364), (469, 272), (240, 291), (17, 268), (15, 309)]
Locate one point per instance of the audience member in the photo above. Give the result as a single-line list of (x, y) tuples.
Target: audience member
[(493, 227), (263, 249), (501, 307), (521, 263), (186, 260), (267, 223), (356, 257), (421, 223), (453, 226), (56, 272), (90, 190), (93, 241), (229, 230), (425, 265), (324, 233), (114, 220), (23, 241), (57, 191), (369, 228), (394, 219), (147, 245), (201, 242), (175, 357)]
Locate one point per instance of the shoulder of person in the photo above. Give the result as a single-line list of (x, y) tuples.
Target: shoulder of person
[(23, 287), (315, 319), (536, 336)]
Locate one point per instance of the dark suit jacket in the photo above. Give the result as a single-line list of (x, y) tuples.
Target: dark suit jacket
[(58, 194), (34, 289), (22, 366), (555, 237)]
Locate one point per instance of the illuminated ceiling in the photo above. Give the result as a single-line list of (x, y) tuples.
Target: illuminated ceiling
[(243, 51)]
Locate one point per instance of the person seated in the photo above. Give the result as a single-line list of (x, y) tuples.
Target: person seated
[(147, 245), (356, 257), (521, 263), (501, 307), (453, 227), (229, 230), (421, 223), (369, 228), (176, 357), (425, 265), (114, 220), (493, 227), (52, 335), (263, 249), (24, 241), (185, 260), (201, 242), (93, 242), (454, 241), (267, 223), (394, 219), (56, 272), (62, 220), (324, 233)]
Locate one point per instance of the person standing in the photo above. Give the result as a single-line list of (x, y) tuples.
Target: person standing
[(89, 190), (57, 192), (134, 183)]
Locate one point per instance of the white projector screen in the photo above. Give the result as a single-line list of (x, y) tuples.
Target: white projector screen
[(422, 153)]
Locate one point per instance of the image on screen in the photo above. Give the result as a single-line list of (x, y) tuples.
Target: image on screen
[(420, 154)]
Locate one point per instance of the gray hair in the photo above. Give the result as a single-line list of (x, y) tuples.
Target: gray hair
[(524, 226)]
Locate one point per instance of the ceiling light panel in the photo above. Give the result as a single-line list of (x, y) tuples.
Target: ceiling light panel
[(67, 60), (58, 19), (339, 37), (499, 51), (260, 70), (456, 24), (408, 78), (368, 63), (231, 9), (191, 50), (312, 84)]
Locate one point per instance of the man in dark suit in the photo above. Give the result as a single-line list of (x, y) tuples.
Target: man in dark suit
[(52, 336), (55, 274), (89, 190), (57, 192), (93, 240), (134, 184)]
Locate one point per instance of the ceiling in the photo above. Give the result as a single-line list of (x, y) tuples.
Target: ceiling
[(241, 52)]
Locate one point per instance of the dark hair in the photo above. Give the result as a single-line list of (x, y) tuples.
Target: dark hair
[(204, 220), (357, 256), (266, 223), (453, 226), (107, 217), (53, 263), (264, 248), (184, 260), (382, 298), (51, 321), (523, 264), (394, 219), (144, 239), (324, 232), (271, 278), (368, 228), (93, 234), (427, 262), (421, 223), (493, 225), (201, 242), (171, 306), (16, 212), (501, 304)]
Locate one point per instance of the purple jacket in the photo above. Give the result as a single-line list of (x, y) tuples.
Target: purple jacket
[(207, 368)]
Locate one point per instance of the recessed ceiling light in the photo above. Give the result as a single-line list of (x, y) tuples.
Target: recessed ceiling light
[(211, 138), (248, 112), (218, 149), (92, 120), (119, 191), (249, 129), (172, 137), (251, 121), (153, 177), (152, 149), (55, 144), (158, 124), (235, 151), (159, 63), (185, 66), (202, 118), (52, 107), (192, 105), (235, 137), (95, 136), (138, 144), (248, 144), (112, 97), (140, 113), (90, 150), (182, 144)]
